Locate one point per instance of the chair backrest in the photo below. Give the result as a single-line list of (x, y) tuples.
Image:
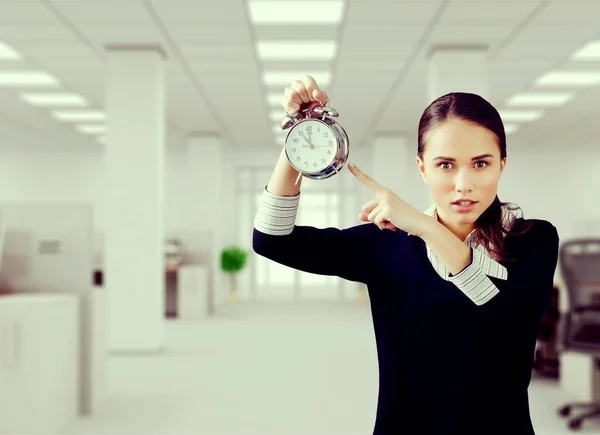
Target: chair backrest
[(580, 268)]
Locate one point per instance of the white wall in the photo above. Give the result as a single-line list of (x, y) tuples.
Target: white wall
[(52, 177), (559, 186), (79, 177)]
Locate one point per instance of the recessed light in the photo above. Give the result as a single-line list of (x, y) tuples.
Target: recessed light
[(8, 53), (54, 99), (27, 78), (589, 51), (298, 50), (277, 115), (91, 129), (79, 115), (510, 129), (295, 12), (274, 99), (540, 99), (569, 78), (520, 115), (273, 78)]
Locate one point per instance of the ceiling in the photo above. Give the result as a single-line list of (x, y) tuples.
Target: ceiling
[(214, 74)]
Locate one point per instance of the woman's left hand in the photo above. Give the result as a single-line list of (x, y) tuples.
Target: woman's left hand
[(387, 210)]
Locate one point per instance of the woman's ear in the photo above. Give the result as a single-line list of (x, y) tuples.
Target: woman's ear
[(421, 167), (502, 164)]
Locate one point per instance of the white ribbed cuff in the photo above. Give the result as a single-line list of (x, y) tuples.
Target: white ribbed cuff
[(474, 282), (276, 213)]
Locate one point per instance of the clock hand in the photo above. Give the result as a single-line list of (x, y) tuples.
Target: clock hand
[(307, 141)]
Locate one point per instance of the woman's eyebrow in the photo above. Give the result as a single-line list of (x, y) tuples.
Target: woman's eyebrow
[(451, 159)]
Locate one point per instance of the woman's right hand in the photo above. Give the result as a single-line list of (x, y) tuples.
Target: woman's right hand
[(303, 94)]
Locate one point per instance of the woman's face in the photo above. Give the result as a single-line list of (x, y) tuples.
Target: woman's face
[(461, 160)]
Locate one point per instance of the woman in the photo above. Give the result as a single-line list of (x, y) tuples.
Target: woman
[(456, 293)]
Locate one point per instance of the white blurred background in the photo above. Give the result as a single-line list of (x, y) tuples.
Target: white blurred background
[(135, 140)]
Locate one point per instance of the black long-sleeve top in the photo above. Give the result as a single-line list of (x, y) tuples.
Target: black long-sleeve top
[(449, 363)]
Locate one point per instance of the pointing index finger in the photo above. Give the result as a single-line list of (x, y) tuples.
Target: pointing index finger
[(364, 178)]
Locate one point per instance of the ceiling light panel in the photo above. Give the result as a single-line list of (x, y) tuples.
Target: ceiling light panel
[(520, 115), (26, 78), (55, 99), (297, 50), (590, 51), (280, 78), (295, 12), (277, 115), (79, 115), (8, 53), (274, 99), (91, 129), (569, 78), (540, 99)]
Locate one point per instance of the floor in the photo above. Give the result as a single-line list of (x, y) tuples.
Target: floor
[(265, 369)]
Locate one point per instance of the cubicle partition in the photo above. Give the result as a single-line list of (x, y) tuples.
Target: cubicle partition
[(47, 251)]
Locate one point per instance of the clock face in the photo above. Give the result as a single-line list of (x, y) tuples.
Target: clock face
[(311, 146)]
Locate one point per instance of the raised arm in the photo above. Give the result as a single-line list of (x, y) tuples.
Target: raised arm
[(329, 251)]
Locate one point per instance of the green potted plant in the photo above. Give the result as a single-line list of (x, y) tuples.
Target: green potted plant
[(233, 260)]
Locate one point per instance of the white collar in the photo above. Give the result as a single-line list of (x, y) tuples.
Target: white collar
[(491, 268)]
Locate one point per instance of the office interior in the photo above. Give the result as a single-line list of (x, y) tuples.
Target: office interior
[(136, 138)]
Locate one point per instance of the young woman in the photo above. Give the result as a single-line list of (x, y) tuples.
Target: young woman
[(456, 292)]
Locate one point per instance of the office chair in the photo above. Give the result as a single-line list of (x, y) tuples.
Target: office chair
[(579, 328)]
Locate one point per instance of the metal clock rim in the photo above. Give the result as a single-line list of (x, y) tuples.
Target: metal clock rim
[(338, 160)]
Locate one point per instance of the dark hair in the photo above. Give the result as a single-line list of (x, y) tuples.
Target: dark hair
[(491, 228)]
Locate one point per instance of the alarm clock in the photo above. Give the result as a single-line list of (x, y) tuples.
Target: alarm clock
[(315, 145)]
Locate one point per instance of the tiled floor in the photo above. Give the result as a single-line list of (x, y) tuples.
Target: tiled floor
[(266, 369)]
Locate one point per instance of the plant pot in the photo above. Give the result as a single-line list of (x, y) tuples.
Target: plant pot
[(233, 296), (362, 296)]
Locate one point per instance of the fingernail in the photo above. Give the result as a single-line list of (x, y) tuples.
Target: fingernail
[(351, 165)]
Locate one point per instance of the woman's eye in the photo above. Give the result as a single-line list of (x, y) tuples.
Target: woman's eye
[(447, 165)]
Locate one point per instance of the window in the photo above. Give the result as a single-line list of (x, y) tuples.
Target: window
[(264, 279)]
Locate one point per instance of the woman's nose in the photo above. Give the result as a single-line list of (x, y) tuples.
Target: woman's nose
[(463, 181)]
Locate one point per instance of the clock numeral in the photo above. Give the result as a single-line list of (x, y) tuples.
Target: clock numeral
[(315, 164), (298, 158), (322, 160), (330, 143), (309, 128), (318, 129), (306, 164), (329, 152), (326, 134), (293, 150)]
